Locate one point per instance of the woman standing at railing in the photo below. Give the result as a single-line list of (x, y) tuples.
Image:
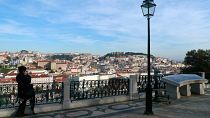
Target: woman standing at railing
[(25, 90)]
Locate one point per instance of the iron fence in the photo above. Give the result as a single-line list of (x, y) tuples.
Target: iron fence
[(45, 93), (8, 95), (156, 82), (89, 89), (48, 93)]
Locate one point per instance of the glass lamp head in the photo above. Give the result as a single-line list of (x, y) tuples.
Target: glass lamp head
[(148, 8)]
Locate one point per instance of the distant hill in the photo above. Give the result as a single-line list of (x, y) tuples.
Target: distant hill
[(133, 53), (121, 54), (24, 52), (60, 57)]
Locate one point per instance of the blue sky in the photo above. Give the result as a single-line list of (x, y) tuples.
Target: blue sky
[(102, 26)]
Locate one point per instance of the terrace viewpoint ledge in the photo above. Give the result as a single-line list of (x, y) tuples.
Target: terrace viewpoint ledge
[(68, 104)]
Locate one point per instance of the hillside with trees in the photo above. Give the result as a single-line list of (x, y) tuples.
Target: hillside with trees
[(123, 54), (60, 57)]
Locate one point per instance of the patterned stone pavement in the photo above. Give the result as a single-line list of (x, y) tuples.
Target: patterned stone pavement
[(94, 111), (197, 106)]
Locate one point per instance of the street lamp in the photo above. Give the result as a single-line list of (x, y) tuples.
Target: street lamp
[(148, 9)]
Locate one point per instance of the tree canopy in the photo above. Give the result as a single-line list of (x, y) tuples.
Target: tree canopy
[(197, 61), (60, 57)]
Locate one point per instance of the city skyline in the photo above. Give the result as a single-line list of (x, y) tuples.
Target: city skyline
[(102, 26)]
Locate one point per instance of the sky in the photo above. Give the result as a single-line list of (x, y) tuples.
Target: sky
[(103, 26)]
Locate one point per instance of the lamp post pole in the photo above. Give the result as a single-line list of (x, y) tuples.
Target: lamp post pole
[(148, 110), (148, 9)]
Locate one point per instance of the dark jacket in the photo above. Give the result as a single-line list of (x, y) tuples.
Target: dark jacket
[(24, 84)]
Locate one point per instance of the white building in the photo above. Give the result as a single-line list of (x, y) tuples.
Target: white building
[(42, 79), (93, 77)]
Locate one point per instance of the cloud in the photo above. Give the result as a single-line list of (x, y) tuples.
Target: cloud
[(106, 18), (11, 27), (116, 24), (79, 40), (184, 21)]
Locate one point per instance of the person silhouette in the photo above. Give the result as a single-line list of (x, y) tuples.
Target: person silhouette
[(25, 90)]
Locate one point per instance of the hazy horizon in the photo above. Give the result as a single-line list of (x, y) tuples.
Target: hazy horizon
[(85, 53)]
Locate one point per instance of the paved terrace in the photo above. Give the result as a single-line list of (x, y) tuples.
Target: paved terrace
[(195, 106)]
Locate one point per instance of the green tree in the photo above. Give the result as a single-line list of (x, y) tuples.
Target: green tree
[(5, 70), (197, 61), (8, 58), (60, 57)]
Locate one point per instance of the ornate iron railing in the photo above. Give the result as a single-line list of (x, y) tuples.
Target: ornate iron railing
[(156, 82), (45, 93), (8, 95), (48, 93), (89, 89)]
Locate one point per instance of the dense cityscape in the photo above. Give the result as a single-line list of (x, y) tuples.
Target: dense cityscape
[(104, 58), (45, 67)]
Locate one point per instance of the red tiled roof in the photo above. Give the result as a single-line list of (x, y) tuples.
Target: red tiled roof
[(14, 74), (40, 76), (60, 78), (43, 61), (61, 63), (6, 80), (13, 79)]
